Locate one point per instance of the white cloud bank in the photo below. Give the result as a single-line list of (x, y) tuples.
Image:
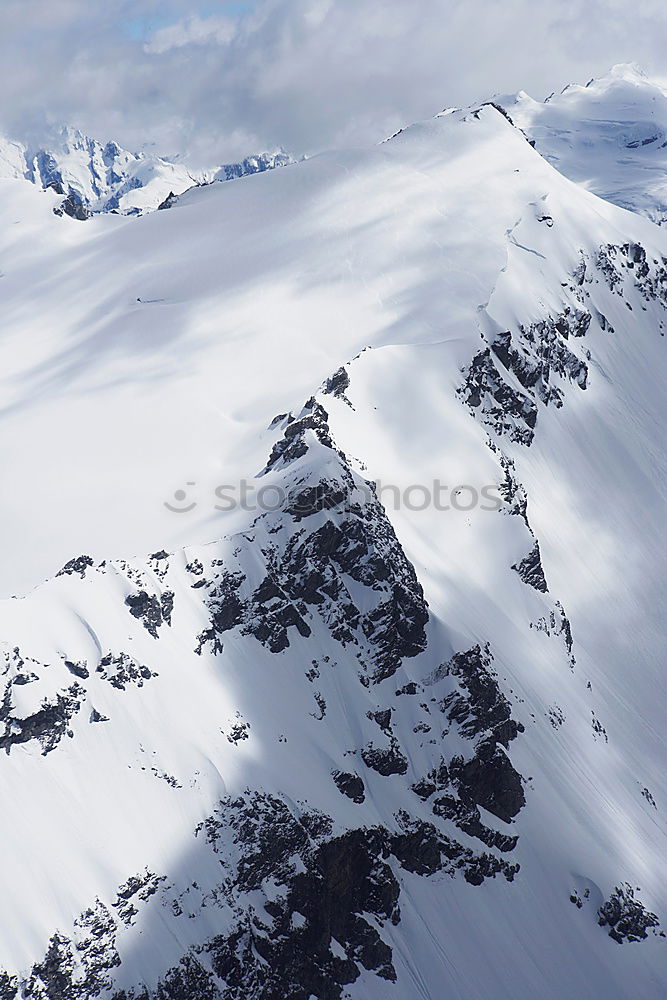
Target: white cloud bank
[(214, 80)]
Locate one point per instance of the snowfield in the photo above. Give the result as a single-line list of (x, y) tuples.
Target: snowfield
[(344, 748), (609, 135)]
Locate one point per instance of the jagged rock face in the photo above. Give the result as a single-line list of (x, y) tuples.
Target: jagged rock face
[(350, 785), (81, 967), (73, 206), (150, 610), (539, 356), (489, 780), (625, 916), (77, 565), (530, 570), (544, 353), (48, 725), (505, 410), (480, 708), (335, 538), (340, 879)]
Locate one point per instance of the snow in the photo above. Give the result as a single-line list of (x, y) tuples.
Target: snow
[(140, 355), (11, 159), (287, 276), (104, 177), (610, 136)]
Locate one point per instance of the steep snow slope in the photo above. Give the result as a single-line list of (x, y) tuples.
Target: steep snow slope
[(104, 177), (610, 135), (295, 762)]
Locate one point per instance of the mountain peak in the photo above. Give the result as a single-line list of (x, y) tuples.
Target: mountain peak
[(630, 71), (625, 84), (609, 134)]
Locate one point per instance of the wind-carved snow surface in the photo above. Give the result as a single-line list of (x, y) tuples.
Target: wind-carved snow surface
[(609, 135), (103, 177), (344, 750)]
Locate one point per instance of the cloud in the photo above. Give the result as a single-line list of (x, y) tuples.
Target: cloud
[(193, 30), (213, 81)]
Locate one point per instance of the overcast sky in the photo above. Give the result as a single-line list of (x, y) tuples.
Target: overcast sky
[(216, 80)]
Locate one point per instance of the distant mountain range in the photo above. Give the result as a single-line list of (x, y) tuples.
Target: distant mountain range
[(96, 177)]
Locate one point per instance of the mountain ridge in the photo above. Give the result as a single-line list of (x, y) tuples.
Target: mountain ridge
[(352, 748)]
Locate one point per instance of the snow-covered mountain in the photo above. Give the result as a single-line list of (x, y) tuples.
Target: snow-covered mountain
[(398, 730), (103, 177), (610, 136)]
